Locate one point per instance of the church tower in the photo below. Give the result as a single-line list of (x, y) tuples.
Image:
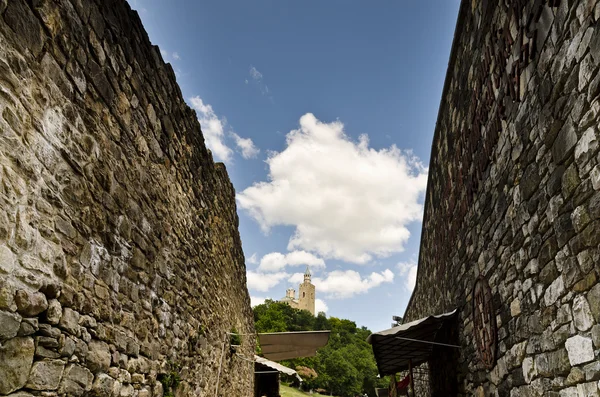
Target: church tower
[(306, 296)]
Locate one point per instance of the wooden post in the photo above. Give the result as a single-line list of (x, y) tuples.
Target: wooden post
[(412, 382)]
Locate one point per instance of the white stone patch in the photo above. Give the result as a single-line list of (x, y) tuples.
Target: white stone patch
[(529, 369), (595, 177), (92, 255), (586, 143), (582, 315), (569, 392), (53, 123), (554, 291), (7, 259), (589, 389), (580, 349), (515, 307)]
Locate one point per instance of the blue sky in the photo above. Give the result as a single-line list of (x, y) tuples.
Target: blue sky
[(323, 112)]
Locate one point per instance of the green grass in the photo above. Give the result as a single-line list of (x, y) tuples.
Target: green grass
[(287, 391)]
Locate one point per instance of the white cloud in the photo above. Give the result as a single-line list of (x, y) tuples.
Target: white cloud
[(346, 200), (255, 74), (346, 283), (247, 147), (277, 261), (257, 300), (257, 78), (320, 306), (213, 129), (253, 259), (263, 281), (176, 56), (408, 270)]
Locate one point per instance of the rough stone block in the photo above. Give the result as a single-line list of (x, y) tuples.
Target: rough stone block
[(26, 26), (582, 315), (564, 143), (592, 371), (54, 313), (554, 291), (30, 303), (593, 298), (16, 359), (76, 380), (98, 356), (580, 349), (9, 325), (46, 375), (69, 321)]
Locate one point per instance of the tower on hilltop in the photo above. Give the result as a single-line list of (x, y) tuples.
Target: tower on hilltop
[(306, 296)]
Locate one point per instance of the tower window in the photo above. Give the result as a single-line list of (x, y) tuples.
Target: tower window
[(304, 294)]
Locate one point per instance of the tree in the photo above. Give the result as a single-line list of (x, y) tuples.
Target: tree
[(345, 367)]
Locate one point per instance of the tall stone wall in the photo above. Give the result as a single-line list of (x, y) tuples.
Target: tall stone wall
[(513, 198), (120, 261)]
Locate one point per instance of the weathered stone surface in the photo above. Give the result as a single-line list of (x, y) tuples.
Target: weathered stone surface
[(529, 369), (76, 380), (54, 313), (552, 363), (30, 303), (69, 321), (580, 349), (513, 196), (28, 326), (16, 359), (589, 389), (564, 143), (103, 385), (98, 356), (592, 371), (582, 315), (9, 325), (593, 298), (554, 291), (46, 375), (596, 335)]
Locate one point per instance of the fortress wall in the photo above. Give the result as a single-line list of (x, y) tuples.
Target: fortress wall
[(514, 197), (120, 258)]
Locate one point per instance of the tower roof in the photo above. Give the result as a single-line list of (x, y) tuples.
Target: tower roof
[(307, 272)]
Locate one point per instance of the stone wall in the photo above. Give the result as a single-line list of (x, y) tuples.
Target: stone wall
[(514, 196), (120, 259)]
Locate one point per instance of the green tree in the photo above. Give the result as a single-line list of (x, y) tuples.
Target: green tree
[(345, 367)]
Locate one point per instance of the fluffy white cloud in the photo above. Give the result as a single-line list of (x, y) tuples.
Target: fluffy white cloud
[(408, 270), (213, 129), (255, 74), (253, 259), (246, 146), (320, 306), (277, 261), (346, 200), (263, 281), (176, 56), (346, 283), (257, 300)]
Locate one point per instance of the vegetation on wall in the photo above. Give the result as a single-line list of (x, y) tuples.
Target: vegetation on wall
[(345, 367)]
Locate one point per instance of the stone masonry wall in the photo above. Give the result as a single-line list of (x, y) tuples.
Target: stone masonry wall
[(120, 259), (514, 196)]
